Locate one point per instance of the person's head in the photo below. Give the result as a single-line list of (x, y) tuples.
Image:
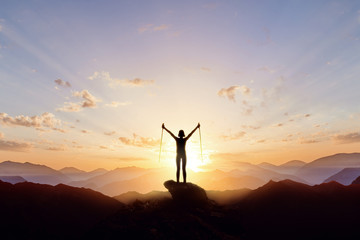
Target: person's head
[(181, 133)]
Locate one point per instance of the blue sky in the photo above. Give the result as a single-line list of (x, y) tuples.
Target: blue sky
[(268, 80)]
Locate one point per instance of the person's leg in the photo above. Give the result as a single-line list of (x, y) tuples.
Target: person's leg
[(184, 167), (177, 168)]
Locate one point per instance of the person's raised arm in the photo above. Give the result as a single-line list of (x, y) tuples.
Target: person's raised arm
[(188, 136), (163, 126)]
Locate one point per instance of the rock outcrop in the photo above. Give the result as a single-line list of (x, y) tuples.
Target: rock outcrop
[(187, 194)]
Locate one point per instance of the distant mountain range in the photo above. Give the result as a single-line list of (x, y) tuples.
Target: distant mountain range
[(343, 167)]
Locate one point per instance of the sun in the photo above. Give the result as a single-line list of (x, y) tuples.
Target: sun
[(194, 159)]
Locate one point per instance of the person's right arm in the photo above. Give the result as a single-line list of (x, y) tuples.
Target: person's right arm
[(163, 126)]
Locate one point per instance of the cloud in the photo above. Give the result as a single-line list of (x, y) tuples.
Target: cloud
[(113, 82), (62, 83), (308, 141), (139, 141), (136, 82), (1, 135), (61, 147), (230, 92), (89, 101), (347, 138), (128, 159), (161, 27), (110, 133), (251, 127), (45, 120), (117, 104), (266, 69), (70, 107), (14, 146), (85, 131), (153, 28), (234, 136)]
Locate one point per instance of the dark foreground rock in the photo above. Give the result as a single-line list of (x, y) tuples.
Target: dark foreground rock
[(187, 194)]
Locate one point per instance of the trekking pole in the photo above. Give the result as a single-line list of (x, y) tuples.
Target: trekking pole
[(162, 130), (200, 146)]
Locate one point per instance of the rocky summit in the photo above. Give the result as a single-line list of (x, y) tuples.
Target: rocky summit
[(187, 194)]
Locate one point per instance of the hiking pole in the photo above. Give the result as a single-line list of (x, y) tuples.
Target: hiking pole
[(162, 130), (200, 145)]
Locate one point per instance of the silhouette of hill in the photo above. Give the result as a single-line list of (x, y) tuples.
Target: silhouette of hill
[(33, 172), (227, 197), (265, 174), (33, 211), (289, 167), (142, 184), (12, 179), (345, 176), (290, 210), (356, 181), (320, 169), (116, 175), (78, 175), (277, 210), (132, 196)]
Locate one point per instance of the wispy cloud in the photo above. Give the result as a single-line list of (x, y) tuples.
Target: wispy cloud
[(267, 69), (61, 147), (250, 127), (347, 138), (1, 135), (14, 146), (161, 27), (46, 120), (128, 159), (231, 91), (139, 141), (89, 101), (110, 133), (308, 141), (117, 104), (113, 82), (62, 83), (136, 82), (153, 28), (85, 131), (70, 107), (234, 136)]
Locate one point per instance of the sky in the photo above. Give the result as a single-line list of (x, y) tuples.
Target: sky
[(88, 83)]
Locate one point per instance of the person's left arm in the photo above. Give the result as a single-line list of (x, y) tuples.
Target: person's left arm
[(188, 136)]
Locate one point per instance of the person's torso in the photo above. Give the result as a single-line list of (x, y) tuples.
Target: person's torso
[(180, 145)]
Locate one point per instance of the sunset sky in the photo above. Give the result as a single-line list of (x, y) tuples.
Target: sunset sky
[(89, 83)]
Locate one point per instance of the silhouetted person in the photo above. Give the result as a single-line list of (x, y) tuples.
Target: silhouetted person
[(180, 150)]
